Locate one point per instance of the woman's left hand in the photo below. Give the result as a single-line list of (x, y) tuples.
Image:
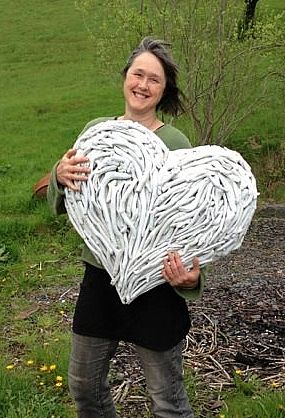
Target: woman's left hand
[(176, 274)]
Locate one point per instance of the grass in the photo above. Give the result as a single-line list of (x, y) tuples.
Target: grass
[(36, 386), (50, 87), (48, 94), (245, 405)]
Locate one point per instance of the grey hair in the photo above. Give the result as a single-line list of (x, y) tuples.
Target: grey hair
[(172, 98)]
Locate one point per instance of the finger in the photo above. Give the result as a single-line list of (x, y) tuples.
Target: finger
[(79, 159), (79, 169), (181, 269), (167, 266), (70, 153), (196, 264), (70, 185), (72, 174), (168, 273), (168, 276), (78, 177), (164, 275), (172, 262), (74, 159)]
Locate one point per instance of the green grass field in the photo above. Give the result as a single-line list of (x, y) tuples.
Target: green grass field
[(52, 83)]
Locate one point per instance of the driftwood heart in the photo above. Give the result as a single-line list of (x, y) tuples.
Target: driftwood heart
[(142, 200)]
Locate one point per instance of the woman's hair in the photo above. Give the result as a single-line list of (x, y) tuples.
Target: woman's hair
[(172, 98)]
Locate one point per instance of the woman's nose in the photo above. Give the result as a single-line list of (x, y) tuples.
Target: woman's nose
[(143, 83)]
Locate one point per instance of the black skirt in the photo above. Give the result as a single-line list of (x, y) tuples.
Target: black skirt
[(158, 319)]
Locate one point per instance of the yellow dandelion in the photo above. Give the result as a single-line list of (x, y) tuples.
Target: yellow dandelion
[(222, 416), (29, 362), (52, 367), (58, 384), (62, 312), (45, 344), (44, 368), (59, 378), (238, 372), (10, 366), (41, 383), (275, 384)]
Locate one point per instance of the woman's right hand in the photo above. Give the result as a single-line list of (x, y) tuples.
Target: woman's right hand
[(72, 168)]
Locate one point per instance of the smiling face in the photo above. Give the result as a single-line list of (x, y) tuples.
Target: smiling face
[(144, 84)]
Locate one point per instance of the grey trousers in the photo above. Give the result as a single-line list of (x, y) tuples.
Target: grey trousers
[(89, 387)]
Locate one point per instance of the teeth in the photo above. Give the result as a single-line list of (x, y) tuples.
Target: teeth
[(143, 96)]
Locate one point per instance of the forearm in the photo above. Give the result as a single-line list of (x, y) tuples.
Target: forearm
[(191, 294), (55, 194)]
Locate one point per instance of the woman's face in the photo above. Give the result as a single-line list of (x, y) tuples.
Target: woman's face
[(144, 84)]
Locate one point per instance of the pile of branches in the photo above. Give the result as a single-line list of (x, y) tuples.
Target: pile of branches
[(218, 357)]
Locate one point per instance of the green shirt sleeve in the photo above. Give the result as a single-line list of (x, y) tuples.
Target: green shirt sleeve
[(192, 294), (55, 194)]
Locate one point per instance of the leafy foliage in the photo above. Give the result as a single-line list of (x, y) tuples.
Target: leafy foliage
[(225, 80)]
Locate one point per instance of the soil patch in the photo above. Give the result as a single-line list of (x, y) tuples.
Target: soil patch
[(238, 324)]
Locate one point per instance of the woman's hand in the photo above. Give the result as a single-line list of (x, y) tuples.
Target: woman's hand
[(176, 274), (70, 170)]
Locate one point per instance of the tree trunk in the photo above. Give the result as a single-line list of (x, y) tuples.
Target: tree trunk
[(248, 18)]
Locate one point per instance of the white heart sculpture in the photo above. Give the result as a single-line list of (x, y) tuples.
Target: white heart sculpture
[(142, 200)]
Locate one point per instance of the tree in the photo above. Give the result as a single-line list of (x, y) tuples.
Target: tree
[(247, 22), (224, 79)]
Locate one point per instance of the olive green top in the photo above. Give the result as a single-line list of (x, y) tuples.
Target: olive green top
[(173, 139)]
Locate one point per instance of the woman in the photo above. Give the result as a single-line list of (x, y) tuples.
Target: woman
[(157, 321)]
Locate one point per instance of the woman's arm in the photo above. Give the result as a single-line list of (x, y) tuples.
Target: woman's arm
[(69, 169), (187, 283)]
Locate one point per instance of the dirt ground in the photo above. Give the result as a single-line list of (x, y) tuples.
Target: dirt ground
[(238, 324)]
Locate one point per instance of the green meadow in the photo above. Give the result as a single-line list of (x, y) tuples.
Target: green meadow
[(52, 83)]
